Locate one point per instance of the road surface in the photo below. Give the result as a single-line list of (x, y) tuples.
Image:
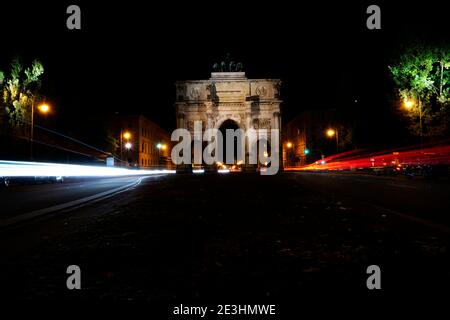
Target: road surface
[(422, 198), (22, 198), (245, 237)]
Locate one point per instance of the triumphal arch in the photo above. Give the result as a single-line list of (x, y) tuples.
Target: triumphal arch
[(228, 96)]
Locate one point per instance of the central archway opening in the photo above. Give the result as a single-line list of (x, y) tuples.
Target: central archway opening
[(229, 125)]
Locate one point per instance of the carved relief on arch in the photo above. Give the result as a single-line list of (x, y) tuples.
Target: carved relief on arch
[(276, 89), (194, 93), (191, 125), (181, 92), (262, 123), (261, 91), (212, 92)]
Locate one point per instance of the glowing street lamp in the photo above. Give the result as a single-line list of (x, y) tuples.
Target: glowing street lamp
[(127, 135), (289, 145), (160, 146), (409, 104), (124, 135), (43, 108), (331, 133)]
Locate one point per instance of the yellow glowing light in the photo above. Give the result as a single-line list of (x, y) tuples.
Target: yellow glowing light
[(44, 108), (126, 135), (409, 104), (330, 132), (289, 145), (164, 147)]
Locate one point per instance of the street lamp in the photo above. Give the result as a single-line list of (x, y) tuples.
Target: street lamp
[(289, 145), (160, 146), (331, 133), (43, 108), (409, 104), (127, 136)]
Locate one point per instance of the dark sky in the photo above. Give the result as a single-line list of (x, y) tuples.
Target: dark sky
[(128, 55)]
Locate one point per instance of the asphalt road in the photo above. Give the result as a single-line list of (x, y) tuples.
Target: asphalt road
[(241, 237), (422, 198), (21, 198)]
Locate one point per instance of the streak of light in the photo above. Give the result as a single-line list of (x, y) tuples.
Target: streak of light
[(43, 169), (431, 155)]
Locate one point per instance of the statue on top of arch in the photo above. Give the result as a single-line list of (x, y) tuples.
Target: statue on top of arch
[(228, 65)]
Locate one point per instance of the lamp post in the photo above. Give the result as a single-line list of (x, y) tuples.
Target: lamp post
[(409, 104), (335, 133), (289, 153), (160, 146), (127, 136), (44, 109)]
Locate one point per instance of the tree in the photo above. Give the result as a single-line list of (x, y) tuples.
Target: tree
[(19, 90), (422, 79)]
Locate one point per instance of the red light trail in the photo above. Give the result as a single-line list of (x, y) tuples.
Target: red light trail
[(406, 156)]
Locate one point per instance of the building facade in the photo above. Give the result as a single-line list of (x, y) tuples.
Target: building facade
[(229, 97), (304, 137), (143, 143)]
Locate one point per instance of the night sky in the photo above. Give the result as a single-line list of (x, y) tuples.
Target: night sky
[(128, 55)]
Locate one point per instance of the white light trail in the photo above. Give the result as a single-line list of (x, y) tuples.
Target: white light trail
[(43, 169)]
